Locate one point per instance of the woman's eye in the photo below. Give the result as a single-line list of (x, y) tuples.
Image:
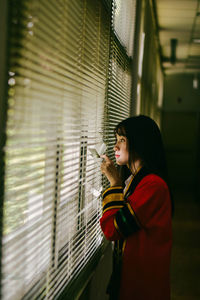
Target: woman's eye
[(120, 140)]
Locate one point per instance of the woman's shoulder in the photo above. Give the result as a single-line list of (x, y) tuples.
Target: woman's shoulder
[(153, 181)]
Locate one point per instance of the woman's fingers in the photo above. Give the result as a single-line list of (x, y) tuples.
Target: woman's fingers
[(106, 163), (109, 170), (105, 157)]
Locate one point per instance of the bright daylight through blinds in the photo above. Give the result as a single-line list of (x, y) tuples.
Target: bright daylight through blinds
[(69, 84), (120, 73)]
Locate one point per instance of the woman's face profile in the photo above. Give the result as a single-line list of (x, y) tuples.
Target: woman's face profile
[(121, 150)]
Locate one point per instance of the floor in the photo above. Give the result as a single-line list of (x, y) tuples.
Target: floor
[(185, 268)]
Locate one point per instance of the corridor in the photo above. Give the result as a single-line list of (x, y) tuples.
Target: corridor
[(185, 269)]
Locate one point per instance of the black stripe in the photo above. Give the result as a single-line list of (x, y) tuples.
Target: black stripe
[(113, 203), (126, 222), (113, 191)]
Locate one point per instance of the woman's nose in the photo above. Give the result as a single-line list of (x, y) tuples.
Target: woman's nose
[(116, 147)]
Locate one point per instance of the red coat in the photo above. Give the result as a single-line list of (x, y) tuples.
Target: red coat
[(142, 221)]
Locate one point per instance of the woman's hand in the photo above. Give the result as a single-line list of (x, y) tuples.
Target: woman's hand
[(109, 170)]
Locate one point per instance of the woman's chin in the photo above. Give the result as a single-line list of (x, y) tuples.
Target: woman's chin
[(119, 163)]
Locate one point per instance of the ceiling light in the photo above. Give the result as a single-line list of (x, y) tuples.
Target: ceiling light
[(196, 41), (195, 82)]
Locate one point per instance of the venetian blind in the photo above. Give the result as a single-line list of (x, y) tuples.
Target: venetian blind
[(124, 23), (120, 72), (58, 62)]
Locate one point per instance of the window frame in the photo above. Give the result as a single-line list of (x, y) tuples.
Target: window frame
[(3, 111)]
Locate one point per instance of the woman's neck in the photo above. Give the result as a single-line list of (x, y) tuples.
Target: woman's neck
[(136, 166)]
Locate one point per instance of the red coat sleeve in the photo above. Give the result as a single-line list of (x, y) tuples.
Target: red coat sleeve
[(147, 207), (113, 200)]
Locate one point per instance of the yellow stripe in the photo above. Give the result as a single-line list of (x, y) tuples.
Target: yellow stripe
[(113, 197), (111, 207), (117, 227), (112, 188), (133, 214), (123, 247), (138, 169), (128, 186), (132, 180)]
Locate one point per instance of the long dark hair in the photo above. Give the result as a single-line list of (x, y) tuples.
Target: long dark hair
[(145, 143)]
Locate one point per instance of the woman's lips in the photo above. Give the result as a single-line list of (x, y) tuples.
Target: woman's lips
[(116, 155)]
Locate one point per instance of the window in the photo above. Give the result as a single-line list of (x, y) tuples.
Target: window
[(69, 84), (120, 72)]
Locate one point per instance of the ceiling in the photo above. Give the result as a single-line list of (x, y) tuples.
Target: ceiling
[(179, 35)]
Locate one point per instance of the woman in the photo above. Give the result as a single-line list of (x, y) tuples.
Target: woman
[(138, 216)]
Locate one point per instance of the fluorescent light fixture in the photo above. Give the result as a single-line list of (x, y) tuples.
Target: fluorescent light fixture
[(141, 55), (195, 82), (196, 41), (138, 103)]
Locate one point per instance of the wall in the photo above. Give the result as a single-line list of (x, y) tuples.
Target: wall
[(96, 288), (180, 125), (179, 94), (152, 76), (101, 276)]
